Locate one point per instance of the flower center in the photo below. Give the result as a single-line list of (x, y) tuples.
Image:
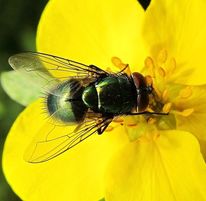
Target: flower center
[(166, 97)]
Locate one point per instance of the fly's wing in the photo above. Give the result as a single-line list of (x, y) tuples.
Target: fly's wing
[(35, 71), (53, 139), (40, 66)]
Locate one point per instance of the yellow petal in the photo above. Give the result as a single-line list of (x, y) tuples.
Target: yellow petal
[(203, 148), (75, 175), (92, 32), (179, 27), (195, 122), (169, 168)]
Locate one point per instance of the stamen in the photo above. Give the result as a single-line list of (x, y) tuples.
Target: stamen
[(130, 121), (167, 107), (149, 64), (172, 66), (151, 120), (156, 135), (159, 75), (165, 95), (109, 128), (119, 64), (162, 56), (149, 80), (149, 136), (108, 69), (132, 124), (157, 94), (150, 109), (161, 72), (186, 112), (143, 139), (186, 92), (118, 120)]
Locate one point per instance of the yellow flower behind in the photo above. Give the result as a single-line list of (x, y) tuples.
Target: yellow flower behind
[(154, 158)]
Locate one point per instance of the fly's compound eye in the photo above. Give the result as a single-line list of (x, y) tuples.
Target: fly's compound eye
[(142, 91)]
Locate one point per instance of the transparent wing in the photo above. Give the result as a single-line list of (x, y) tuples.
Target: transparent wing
[(44, 65), (34, 70), (53, 139), (40, 68)]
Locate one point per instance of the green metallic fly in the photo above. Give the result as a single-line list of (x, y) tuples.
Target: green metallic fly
[(88, 96)]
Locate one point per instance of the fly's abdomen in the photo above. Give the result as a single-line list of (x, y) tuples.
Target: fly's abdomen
[(113, 94), (64, 103)]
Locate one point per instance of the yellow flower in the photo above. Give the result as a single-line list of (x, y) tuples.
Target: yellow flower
[(156, 158)]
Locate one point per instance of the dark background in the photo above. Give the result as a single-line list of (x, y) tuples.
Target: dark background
[(18, 23)]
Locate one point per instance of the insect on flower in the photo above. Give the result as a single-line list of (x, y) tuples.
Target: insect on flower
[(89, 97)]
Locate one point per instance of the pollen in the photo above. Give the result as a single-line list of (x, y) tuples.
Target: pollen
[(156, 135), (186, 112), (117, 62), (186, 92), (161, 72), (151, 120), (132, 125), (165, 102), (118, 120), (167, 107), (165, 95), (162, 56), (131, 121), (157, 93), (149, 80), (109, 129), (149, 65), (172, 66)]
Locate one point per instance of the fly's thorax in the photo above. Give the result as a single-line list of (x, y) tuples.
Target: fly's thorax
[(64, 103), (90, 97), (112, 94)]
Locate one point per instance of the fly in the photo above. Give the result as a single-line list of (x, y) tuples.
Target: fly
[(84, 95)]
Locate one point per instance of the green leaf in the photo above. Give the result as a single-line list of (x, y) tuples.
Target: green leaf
[(20, 88), (102, 199)]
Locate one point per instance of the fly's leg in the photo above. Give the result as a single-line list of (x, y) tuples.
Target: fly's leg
[(123, 67)]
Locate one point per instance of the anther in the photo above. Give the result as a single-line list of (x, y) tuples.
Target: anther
[(132, 124), (157, 94), (109, 128), (151, 120), (167, 107), (165, 95), (161, 72), (119, 64), (118, 120), (172, 66), (130, 121), (149, 80), (150, 65), (186, 112), (108, 69), (162, 56), (156, 135), (186, 92)]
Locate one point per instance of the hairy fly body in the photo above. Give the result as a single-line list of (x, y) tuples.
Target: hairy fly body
[(80, 94)]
